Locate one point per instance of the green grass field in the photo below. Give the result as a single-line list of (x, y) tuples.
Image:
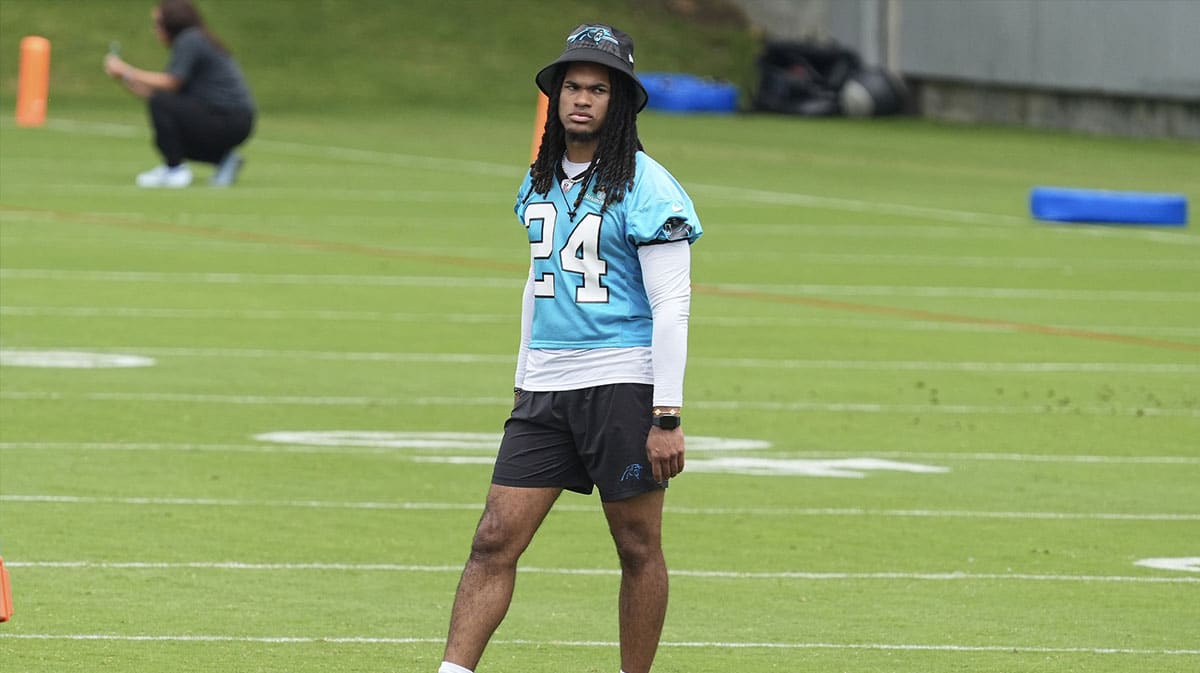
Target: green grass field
[(927, 434)]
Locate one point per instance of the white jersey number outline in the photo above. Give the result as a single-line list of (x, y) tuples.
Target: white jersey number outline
[(580, 254)]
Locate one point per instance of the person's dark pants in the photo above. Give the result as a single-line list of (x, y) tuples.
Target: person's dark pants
[(185, 128)]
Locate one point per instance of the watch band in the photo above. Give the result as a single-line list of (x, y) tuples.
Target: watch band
[(667, 418)]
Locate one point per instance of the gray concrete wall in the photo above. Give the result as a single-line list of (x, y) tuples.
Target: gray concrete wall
[(1128, 67), (1144, 48)]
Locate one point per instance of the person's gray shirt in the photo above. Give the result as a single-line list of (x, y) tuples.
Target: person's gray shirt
[(207, 73)]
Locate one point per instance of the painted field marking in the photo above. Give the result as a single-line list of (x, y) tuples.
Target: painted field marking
[(949, 261), (368, 640), (698, 511), (963, 292), (708, 321), (968, 366), (781, 294), (953, 576), (455, 441), (801, 290), (1002, 457), (1187, 564), (234, 278), (715, 290), (432, 196), (843, 468), (1018, 224), (16, 354), (930, 325), (498, 197), (849, 467), (495, 198), (854, 467), (718, 405), (249, 314), (61, 359), (490, 448), (32, 355)]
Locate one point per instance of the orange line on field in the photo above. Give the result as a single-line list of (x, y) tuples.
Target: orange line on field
[(852, 307), (254, 237), (920, 314)]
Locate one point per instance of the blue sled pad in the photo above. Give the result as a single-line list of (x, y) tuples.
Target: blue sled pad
[(1093, 205), (678, 92)]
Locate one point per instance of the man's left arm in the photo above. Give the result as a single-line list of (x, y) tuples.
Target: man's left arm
[(666, 274)]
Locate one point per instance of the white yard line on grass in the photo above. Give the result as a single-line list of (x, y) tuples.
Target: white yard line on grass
[(498, 198), (961, 292), (369, 640), (233, 278), (60, 499), (1066, 265), (921, 262), (1049, 408), (955, 576), (1018, 224), (255, 314), (936, 292), (925, 262), (739, 363), (340, 449), (707, 321), (995, 457)]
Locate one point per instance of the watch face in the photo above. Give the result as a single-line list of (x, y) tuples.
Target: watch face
[(667, 422)]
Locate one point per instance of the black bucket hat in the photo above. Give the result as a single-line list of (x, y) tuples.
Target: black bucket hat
[(596, 43)]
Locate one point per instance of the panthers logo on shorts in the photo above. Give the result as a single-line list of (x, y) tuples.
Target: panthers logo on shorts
[(632, 472)]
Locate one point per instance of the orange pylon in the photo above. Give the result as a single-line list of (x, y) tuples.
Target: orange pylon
[(539, 124), (6, 606), (33, 81)]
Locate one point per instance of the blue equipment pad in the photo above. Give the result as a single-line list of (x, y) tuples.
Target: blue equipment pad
[(1063, 204)]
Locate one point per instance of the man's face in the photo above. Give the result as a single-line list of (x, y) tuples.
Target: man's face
[(583, 102)]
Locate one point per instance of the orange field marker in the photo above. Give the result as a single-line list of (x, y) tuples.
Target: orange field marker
[(33, 81), (6, 606), (539, 124)]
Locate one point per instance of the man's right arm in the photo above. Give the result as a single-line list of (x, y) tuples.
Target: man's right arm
[(526, 330)]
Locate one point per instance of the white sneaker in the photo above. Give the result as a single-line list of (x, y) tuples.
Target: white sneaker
[(162, 176), (227, 170)]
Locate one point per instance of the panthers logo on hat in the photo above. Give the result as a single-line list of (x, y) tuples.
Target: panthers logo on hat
[(596, 43)]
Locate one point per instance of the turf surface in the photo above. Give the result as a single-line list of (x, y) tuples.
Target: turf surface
[(1004, 411)]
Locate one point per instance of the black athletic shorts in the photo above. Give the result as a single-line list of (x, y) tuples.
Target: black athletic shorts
[(577, 439)]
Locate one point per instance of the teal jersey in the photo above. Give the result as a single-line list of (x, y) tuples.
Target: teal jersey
[(588, 290)]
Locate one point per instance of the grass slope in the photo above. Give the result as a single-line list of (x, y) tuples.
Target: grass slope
[(349, 54)]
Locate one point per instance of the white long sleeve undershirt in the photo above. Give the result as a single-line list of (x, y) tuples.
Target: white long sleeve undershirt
[(666, 275)]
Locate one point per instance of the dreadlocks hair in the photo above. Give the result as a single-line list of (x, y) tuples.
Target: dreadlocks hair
[(614, 165)]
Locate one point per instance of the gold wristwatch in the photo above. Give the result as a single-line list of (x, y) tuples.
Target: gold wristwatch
[(667, 418)]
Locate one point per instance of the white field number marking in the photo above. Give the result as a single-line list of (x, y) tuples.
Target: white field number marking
[(71, 359), (846, 468), (1186, 564), (483, 441)]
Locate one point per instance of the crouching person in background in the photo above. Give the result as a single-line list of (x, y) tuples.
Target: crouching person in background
[(200, 107)]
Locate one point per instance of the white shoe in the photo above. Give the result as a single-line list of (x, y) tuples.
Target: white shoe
[(227, 170), (162, 176)]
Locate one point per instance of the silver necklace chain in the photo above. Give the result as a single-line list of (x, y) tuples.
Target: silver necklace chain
[(568, 183)]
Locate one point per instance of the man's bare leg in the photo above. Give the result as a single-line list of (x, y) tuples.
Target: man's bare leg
[(510, 518), (636, 526)]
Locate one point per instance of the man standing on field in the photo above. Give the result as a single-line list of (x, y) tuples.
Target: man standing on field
[(599, 380)]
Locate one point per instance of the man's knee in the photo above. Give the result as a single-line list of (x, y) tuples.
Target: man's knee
[(496, 541), (637, 548)]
